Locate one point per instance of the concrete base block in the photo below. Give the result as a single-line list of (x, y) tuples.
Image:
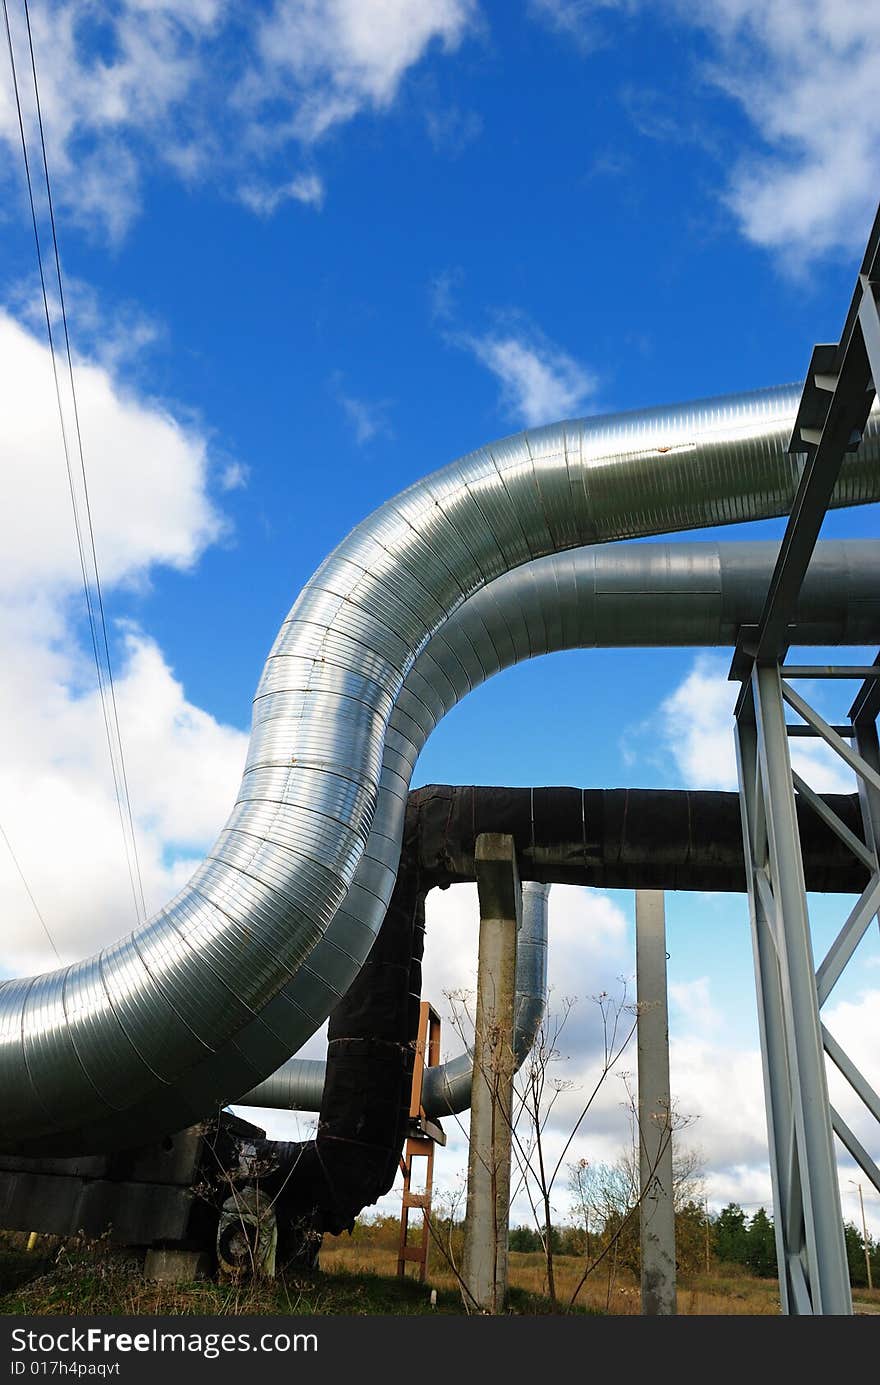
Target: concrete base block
[(177, 1266)]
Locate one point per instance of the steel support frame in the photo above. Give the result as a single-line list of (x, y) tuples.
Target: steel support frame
[(838, 394), (811, 1252)]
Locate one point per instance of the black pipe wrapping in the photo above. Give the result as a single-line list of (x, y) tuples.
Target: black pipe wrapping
[(659, 839)]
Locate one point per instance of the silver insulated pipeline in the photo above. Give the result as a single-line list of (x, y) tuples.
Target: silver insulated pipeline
[(244, 964), (298, 1085), (618, 595)]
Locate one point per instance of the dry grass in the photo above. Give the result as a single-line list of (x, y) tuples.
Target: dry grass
[(356, 1277), (727, 1295)]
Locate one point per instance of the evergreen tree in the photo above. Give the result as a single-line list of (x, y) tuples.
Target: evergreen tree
[(855, 1255), (730, 1236), (761, 1246), (524, 1238)]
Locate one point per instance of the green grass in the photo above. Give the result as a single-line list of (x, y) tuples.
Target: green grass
[(94, 1279)]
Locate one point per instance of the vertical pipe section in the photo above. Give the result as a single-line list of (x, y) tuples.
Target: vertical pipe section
[(485, 1261), (829, 1271), (656, 1207)]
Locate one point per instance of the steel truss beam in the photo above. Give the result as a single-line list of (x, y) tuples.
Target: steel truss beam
[(813, 1270), (813, 1273)]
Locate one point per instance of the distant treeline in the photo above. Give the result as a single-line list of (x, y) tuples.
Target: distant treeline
[(729, 1238)]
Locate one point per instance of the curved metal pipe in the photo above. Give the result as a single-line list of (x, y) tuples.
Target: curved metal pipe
[(298, 1085), (617, 595), (240, 968)]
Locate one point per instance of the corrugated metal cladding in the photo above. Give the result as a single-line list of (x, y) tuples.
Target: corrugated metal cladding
[(231, 977)]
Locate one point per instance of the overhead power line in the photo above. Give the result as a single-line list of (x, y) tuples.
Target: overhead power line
[(85, 537), (28, 890)]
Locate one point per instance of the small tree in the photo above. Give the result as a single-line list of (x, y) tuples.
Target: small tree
[(607, 1198), (730, 1236), (855, 1254), (690, 1237), (608, 1195), (537, 1093), (761, 1245)]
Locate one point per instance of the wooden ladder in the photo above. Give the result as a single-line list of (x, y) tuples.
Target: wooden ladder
[(422, 1136)]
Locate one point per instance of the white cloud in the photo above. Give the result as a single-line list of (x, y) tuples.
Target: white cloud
[(806, 72), (441, 294), (855, 1024), (117, 339), (368, 419), (57, 797), (98, 99), (540, 383), (692, 1005), (188, 85), (335, 58), (588, 932), (234, 476), (578, 19), (696, 725), (148, 479), (147, 475), (453, 129), (806, 75), (306, 188)]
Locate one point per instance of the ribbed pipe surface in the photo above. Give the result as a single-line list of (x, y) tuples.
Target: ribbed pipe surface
[(608, 596), (299, 1083), (239, 969)]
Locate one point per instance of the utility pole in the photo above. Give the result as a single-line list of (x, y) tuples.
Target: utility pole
[(864, 1233), (706, 1205)]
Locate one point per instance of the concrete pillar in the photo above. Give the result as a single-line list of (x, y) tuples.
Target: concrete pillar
[(656, 1212), (485, 1260)]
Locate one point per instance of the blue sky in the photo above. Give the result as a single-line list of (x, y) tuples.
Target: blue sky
[(314, 251)]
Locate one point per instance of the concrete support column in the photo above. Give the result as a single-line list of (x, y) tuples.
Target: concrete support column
[(485, 1257), (656, 1210)]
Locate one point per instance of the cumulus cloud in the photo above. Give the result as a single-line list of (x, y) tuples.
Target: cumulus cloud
[(149, 490), (692, 1005), (855, 1024), (185, 84), (148, 475), (57, 797), (696, 726), (805, 74), (589, 941), (339, 57), (105, 91), (723, 1087), (118, 340)]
